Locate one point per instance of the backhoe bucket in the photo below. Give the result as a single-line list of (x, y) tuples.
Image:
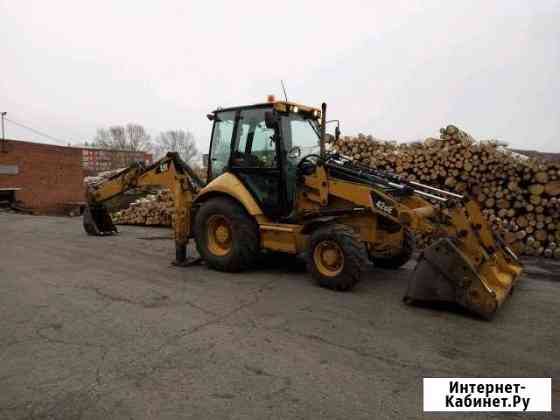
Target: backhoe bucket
[(444, 273), (97, 221)]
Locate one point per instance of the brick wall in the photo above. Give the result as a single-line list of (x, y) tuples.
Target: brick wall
[(48, 176)]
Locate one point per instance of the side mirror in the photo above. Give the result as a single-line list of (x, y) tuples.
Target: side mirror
[(270, 120), (336, 129)]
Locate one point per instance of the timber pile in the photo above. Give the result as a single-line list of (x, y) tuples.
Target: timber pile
[(520, 196), (101, 177), (153, 210)]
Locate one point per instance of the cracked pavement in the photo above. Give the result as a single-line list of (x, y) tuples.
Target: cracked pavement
[(106, 328)]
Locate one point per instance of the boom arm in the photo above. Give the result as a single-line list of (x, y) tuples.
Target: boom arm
[(468, 264), (170, 172)]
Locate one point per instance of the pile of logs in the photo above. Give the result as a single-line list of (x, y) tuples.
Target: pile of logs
[(101, 177), (520, 196), (153, 210)]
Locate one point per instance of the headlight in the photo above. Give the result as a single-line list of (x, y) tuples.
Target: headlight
[(295, 109)]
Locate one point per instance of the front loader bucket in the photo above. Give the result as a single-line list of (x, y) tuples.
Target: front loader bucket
[(444, 273), (97, 221)]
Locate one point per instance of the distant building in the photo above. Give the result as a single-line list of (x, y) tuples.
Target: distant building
[(99, 160), (41, 177), (554, 157), (47, 178)]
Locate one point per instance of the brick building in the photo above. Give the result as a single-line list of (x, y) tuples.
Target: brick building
[(42, 177), (47, 178)]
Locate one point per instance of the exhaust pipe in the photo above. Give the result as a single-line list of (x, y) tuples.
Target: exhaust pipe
[(97, 221)]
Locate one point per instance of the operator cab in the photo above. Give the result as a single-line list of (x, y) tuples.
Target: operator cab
[(262, 146)]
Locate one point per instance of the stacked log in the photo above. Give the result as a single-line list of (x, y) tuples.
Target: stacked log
[(153, 210), (101, 177), (520, 196)]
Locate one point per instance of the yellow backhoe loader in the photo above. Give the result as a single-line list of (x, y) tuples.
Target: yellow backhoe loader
[(273, 186)]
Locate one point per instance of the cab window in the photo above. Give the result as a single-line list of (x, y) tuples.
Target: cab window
[(254, 146), (221, 142), (301, 137)]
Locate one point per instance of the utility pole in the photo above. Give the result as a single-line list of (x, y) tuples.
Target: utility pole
[(3, 148)]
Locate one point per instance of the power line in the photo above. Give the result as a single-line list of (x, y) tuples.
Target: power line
[(37, 131)]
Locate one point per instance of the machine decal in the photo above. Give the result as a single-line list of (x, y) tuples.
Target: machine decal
[(384, 207)]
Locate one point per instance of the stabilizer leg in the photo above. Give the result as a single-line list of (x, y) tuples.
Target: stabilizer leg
[(181, 257)]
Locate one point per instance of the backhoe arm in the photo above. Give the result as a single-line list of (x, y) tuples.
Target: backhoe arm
[(170, 172)]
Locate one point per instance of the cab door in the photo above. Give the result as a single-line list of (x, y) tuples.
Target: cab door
[(220, 146), (256, 159)]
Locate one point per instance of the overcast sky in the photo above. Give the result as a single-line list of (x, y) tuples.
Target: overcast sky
[(395, 69)]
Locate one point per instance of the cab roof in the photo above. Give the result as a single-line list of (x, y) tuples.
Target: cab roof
[(282, 106)]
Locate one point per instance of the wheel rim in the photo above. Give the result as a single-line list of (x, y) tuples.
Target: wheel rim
[(328, 258), (219, 235)]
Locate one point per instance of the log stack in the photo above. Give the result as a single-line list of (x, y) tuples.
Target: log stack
[(520, 196), (153, 210), (101, 177)]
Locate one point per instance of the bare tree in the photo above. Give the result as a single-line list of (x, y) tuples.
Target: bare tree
[(131, 138), (179, 141), (124, 143)]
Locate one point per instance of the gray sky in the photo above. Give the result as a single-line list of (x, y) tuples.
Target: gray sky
[(395, 69)]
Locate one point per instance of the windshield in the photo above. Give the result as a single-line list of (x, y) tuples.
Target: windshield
[(300, 132)]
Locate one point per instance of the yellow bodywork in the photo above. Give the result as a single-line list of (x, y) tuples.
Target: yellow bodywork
[(472, 268), (164, 173), (229, 185), (493, 271), (490, 269)]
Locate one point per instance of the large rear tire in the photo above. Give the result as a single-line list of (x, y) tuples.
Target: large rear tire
[(227, 238), (336, 257), (401, 258)]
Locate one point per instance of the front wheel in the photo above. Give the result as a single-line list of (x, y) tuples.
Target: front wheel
[(336, 257)]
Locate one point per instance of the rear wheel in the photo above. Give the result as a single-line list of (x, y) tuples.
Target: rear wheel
[(226, 236), (336, 257), (397, 260)]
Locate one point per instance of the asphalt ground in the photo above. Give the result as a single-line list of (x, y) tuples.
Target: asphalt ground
[(106, 328)]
